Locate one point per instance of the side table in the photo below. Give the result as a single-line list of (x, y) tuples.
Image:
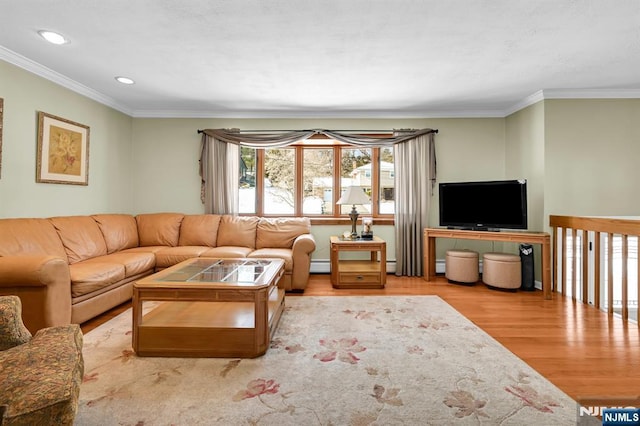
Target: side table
[(368, 273)]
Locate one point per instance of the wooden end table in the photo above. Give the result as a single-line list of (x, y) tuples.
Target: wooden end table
[(368, 273)]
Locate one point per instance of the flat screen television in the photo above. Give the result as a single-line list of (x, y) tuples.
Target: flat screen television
[(489, 205)]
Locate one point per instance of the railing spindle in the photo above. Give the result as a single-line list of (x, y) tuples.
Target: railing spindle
[(596, 270), (554, 233), (625, 255), (610, 273), (585, 266), (564, 261), (574, 263)]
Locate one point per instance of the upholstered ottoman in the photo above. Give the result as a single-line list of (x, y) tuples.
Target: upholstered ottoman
[(461, 266), (501, 270)]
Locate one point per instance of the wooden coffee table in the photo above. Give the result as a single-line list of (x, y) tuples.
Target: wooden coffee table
[(224, 308)]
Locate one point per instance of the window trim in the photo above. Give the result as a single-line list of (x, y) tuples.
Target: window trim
[(336, 218)]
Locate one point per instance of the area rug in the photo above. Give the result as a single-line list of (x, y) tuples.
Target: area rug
[(374, 360)]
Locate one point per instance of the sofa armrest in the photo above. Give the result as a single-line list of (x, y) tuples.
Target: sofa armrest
[(43, 285), (304, 243), (302, 248)]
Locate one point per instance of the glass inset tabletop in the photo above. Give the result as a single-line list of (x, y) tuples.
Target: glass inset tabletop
[(219, 270)]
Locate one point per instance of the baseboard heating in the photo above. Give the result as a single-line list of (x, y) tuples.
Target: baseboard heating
[(323, 266)]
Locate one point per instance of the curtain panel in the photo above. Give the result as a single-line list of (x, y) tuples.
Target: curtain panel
[(219, 163), (415, 176)]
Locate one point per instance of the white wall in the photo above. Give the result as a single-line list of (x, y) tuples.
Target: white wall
[(110, 162)]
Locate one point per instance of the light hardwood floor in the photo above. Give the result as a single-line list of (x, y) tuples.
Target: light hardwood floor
[(583, 351)]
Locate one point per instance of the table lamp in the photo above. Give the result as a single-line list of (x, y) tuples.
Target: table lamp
[(354, 195)]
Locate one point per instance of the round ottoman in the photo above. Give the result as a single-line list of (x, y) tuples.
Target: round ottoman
[(501, 270), (461, 266)]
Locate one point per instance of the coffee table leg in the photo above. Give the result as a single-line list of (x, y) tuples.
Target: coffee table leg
[(137, 317)]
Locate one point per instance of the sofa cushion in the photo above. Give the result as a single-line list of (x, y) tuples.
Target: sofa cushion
[(145, 249), (275, 253), (41, 379), (12, 330), (30, 237), (239, 231), (120, 231), (91, 275), (159, 229), (134, 263), (281, 232), (80, 236), (199, 230), (169, 256), (227, 252)]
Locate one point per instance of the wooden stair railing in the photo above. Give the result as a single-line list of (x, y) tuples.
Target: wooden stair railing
[(574, 228)]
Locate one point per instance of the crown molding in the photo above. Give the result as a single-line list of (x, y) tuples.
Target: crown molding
[(529, 100), (541, 95), (55, 77), (329, 114)]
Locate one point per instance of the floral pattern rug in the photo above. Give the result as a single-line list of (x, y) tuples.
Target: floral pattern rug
[(371, 360)]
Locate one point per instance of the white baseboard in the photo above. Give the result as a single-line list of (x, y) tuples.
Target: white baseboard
[(440, 270), (323, 266)]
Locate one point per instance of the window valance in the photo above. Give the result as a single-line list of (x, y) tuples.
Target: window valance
[(281, 139), (414, 180)]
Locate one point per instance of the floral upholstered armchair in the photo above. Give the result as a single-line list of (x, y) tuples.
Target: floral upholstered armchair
[(40, 375)]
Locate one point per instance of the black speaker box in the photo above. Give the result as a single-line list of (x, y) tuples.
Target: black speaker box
[(526, 263)]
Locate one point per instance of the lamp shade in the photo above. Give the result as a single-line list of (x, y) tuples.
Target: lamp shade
[(354, 195)]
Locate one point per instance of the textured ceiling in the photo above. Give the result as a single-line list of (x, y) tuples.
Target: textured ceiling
[(366, 58)]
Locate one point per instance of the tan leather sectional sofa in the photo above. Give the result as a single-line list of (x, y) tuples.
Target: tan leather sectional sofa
[(71, 269)]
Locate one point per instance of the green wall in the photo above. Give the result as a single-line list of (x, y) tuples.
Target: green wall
[(592, 148), (166, 152), (110, 163), (578, 156)]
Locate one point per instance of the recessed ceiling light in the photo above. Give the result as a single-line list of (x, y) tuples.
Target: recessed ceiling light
[(52, 37), (125, 80)]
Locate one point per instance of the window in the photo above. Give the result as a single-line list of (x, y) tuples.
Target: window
[(317, 177), (247, 191), (356, 171), (386, 182), (279, 182), (307, 179)]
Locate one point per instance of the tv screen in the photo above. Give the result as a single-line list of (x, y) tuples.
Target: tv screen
[(485, 205)]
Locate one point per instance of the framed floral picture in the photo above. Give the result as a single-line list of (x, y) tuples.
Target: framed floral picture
[(1, 113), (63, 151)]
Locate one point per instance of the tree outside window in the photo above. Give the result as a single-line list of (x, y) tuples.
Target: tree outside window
[(317, 175), (386, 197), (308, 180), (247, 186), (356, 171), (279, 181)]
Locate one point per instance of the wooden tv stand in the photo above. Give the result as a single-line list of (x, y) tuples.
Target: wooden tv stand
[(542, 238)]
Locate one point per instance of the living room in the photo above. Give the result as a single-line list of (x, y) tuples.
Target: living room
[(577, 149), (574, 153)]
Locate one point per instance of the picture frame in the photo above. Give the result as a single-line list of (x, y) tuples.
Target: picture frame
[(63, 151), (1, 126)]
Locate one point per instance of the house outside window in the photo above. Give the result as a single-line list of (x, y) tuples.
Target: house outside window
[(307, 179)]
